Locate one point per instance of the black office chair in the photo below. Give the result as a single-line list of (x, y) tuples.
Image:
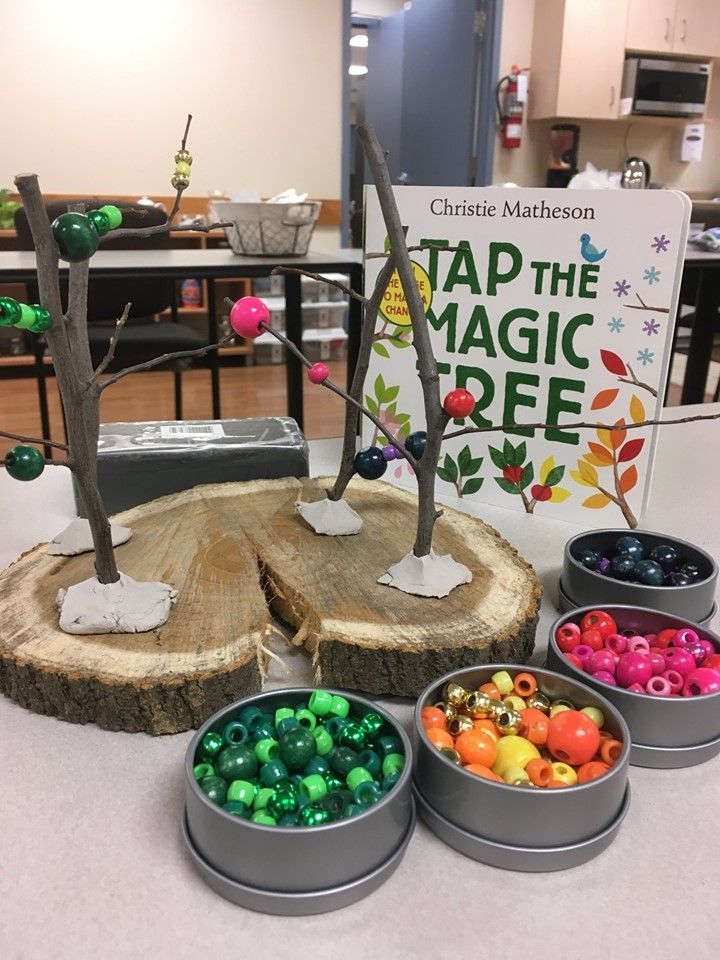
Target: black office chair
[(144, 336)]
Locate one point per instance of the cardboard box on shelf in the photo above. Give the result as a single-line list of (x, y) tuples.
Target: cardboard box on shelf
[(317, 290), (330, 344), (268, 350), (324, 315), (269, 286)]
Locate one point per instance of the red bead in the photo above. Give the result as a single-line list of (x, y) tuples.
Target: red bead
[(712, 662), (459, 403), (592, 638), (247, 315), (318, 373), (567, 637), (575, 661), (573, 737), (599, 620), (664, 638)]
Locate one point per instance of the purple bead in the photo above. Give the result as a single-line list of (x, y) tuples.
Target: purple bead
[(707, 647), (583, 652), (676, 680), (604, 677), (657, 662), (679, 660), (700, 682), (604, 565), (633, 668), (683, 637), (602, 661), (616, 642), (658, 687), (635, 688), (389, 452), (638, 643), (697, 652)]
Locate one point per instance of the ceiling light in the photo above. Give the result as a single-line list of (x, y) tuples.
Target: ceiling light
[(359, 40), (356, 70)]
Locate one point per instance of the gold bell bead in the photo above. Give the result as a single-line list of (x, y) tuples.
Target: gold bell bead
[(447, 708), (508, 722), (180, 181), (183, 156), (478, 704), (455, 694), (459, 724), (451, 755), (538, 701), (562, 702)]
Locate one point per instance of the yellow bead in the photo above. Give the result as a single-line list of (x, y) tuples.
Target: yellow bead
[(539, 702), (514, 702), (179, 181), (183, 169), (514, 752), (503, 681), (459, 724), (515, 775), (183, 156), (557, 708), (561, 771), (597, 716), (455, 694), (478, 704), (507, 721)]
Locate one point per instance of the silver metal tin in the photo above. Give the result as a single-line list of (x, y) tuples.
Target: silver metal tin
[(525, 859), (566, 604), (291, 866), (666, 732), (587, 588), (500, 815)]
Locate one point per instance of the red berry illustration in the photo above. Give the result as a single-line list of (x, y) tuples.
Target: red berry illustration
[(540, 492), (512, 474)]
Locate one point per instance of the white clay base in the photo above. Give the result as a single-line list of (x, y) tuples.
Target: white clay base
[(76, 538), (126, 606), (334, 518), (430, 576)]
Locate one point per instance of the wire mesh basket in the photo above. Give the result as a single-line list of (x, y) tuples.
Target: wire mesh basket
[(269, 229)]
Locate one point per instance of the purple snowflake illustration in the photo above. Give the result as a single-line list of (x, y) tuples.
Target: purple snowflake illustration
[(660, 244), (650, 326), (621, 288)]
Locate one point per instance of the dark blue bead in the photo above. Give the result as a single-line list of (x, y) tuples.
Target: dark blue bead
[(415, 443), (630, 547), (589, 558), (667, 556), (622, 568), (649, 573), (370, 463), (678, 579), (693, 571)]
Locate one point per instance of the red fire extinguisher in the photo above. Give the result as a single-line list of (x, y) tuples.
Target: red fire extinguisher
[(513, 90)]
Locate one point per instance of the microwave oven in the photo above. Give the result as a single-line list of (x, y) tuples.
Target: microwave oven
[(666, 88)]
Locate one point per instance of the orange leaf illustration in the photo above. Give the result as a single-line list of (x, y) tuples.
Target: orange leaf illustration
[(617, 437), (597, 501), (604, 399), (637, 410), (628, 479), (603, 455)]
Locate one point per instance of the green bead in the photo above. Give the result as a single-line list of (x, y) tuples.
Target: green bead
[(335, 726), (273, 773), (261, 797), (342, 760), (9, 312), (313, 787), (267, 750), (358, 775), (43, 320), (287, 724), (393, 763), (263, 817), (317, 765), (306, 718), (340, 707), (24, 463), (288, 820), (250, 715), (386, 745), (371, 761), (27, 317), (113, 213), (390, 781), (263, 731), (367, 793), (214, 788), (284, 800), (76, 236), (235, 732), (211, 744), (297, 748), (182, 168), (312, 817), (296, 779), (237, 809), (335, 803), (100, 220), (333, 782), (201, 770), (323, 741), (242, 791), (320, 702), (283, 713), (372, 724), (237, 763), (352, 810), (353, 735)]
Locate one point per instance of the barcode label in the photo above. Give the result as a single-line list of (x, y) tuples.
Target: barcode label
[(202, 430)]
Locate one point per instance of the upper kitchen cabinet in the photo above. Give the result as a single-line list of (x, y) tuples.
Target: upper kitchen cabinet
[(577, 58), (689, 27)]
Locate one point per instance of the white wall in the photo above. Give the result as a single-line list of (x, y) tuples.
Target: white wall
[(95, 94)]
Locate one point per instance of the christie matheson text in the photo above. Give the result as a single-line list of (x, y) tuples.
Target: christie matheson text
[(442, 207)]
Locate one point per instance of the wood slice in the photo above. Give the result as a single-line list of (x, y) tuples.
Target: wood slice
[(220, 545)]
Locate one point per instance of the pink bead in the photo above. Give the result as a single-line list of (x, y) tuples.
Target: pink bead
[(675, 679), (601, 660), (318, 372), (657, 662), (635, 688), (658, 687), (683, 637), (616, 642), (583, 652), (246, 315), (700, 682), (604, 677), (638, 643), (678, 659), (633, 668), (651, 638)]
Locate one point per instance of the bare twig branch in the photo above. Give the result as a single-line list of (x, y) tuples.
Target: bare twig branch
[(165, 358), (187, 131), (40, 443), (142, 233), (419, 246), (644, 306), (637, 383), (318, 276), (108, 358), (50, 463)]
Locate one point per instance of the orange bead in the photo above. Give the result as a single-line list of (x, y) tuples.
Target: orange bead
[(573, 738), (433, 717), (534, 725), (491, 690), (606, 735), (556, 784), (610, 751), (439, 738), (488, 728), (480, 771), (475, 746), (540, 772), (591, 770), (525, 684)]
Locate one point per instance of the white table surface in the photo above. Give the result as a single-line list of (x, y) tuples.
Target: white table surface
[(92, 863)]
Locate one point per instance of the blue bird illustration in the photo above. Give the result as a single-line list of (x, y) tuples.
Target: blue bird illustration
[(588, 251)]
